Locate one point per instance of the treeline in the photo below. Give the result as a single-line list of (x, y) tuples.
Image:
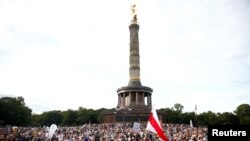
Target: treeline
[(13, 111), (68, 118), (175, 114)]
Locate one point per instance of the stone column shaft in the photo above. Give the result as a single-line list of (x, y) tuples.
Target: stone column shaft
[(143, 96), (119, 100), (148, 99), (150, 104), (123, 100), (134, 57)]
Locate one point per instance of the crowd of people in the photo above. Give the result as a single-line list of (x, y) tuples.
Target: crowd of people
[(103, 132)]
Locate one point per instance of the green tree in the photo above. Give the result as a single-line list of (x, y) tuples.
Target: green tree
[(70, 117), (245, 120), (173, 114), (167, 115), (13, 111), (177, 112), (208, 118), (178, 108), (82, 115), (100, 114), (243, 112), (51, 117), (227, 118), (92, 116), (36, 120), (186, 117)]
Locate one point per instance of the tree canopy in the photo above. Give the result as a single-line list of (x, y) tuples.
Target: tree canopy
[(13, 111)]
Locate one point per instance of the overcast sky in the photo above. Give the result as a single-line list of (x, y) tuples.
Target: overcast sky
[(63, 54)]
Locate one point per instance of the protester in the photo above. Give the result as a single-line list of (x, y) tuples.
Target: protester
[(103, 132)]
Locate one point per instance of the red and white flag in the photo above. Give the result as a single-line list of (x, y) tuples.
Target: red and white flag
[(154, 125)]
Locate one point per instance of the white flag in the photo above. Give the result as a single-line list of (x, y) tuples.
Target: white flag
[(195, 110), (191, 123), (52, 130), (154, 125)]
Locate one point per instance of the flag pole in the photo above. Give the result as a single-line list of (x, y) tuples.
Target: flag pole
[(196, 118)]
